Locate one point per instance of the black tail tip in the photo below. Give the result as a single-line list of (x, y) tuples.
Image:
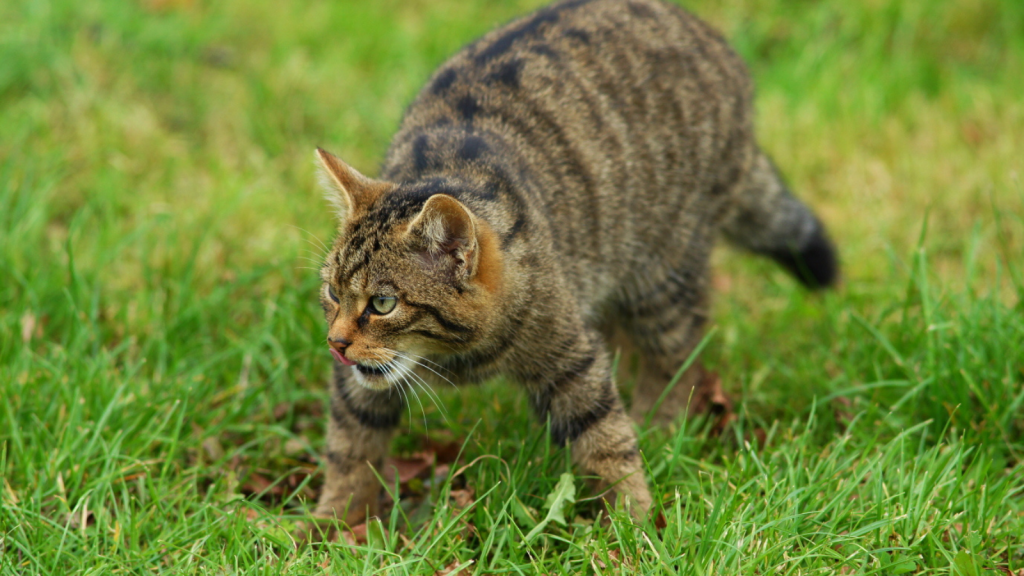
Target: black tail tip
[(816, 266)]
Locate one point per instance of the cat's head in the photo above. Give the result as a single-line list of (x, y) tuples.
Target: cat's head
[(413, 274)]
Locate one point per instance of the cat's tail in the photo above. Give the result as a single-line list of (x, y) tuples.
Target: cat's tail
[(768, 220)]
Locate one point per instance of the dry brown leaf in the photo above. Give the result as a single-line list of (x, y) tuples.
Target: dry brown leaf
[(660, 522), (355, 534), (613, 557), (444, 452), (213, 448), (405, 469), (259, 484), (462, 498), (708, 396), (760, 437), (281, 410), (294, 447), (841, 406)]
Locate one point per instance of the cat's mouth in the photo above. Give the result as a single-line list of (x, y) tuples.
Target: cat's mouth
[(374, 376), (380, 370)]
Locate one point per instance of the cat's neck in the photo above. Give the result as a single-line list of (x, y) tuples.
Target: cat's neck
[(455, 157)]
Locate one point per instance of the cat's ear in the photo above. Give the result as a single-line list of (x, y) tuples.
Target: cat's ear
[(445, 234), (346, 189)]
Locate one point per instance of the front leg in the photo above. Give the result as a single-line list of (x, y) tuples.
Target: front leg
[(584, 408), (358, 438)]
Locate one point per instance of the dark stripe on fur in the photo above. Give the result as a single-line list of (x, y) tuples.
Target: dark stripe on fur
[(508, 73), (447, 338), (447, 324), (419, 153), (483, 357), (527, 29), (567, 428), (574, 371), (444, 80), (472, 148), (375, 420), (578, 34), (467, 107)]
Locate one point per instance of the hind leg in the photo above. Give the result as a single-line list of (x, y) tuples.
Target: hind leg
[(665, 342), (665, 320)]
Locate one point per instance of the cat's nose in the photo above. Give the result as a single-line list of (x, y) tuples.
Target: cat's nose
[(339, 344)]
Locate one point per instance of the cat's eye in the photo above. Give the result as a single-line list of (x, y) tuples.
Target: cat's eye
[(330, 292), (383, 304)]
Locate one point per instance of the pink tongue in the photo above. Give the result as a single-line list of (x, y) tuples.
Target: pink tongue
[(338, 356)]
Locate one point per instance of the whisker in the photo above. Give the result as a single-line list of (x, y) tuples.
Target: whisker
[(314, 236), (397, 370), (405, 400), (430, 394), (416, 395), (317, 261), (415, 358)]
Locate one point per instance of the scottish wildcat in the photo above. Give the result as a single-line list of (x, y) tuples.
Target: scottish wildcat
[(563, 177)]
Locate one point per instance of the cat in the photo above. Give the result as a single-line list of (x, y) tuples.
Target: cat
[(560, 180)]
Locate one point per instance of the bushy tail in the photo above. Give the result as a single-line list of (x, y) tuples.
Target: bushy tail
[(768, 220)]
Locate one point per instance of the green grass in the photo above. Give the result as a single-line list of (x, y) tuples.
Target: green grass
[(161, 346)]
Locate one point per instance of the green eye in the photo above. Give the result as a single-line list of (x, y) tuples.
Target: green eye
[(383, 304), (330, 292)]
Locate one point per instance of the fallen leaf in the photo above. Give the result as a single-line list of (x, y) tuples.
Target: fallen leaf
[(213, 448), (841, 406), (405, 469), (462, 498), (660, 523), (613, 558), (281, 410), (760, 437), (708, 396), (564, 493), (257, 483), (355, 534), (444, 452)]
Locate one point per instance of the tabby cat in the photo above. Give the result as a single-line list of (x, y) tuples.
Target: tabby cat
[(557, 182)]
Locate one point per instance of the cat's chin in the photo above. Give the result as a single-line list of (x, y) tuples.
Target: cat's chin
[(371, 377)]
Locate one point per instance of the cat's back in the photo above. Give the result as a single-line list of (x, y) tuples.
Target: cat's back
[(621, 114)]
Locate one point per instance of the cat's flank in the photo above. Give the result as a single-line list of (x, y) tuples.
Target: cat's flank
[(558, 181)]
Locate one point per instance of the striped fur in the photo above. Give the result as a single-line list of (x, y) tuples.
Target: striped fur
[(560, 179)]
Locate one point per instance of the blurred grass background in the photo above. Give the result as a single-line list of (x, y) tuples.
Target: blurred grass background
[(159, 221)]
